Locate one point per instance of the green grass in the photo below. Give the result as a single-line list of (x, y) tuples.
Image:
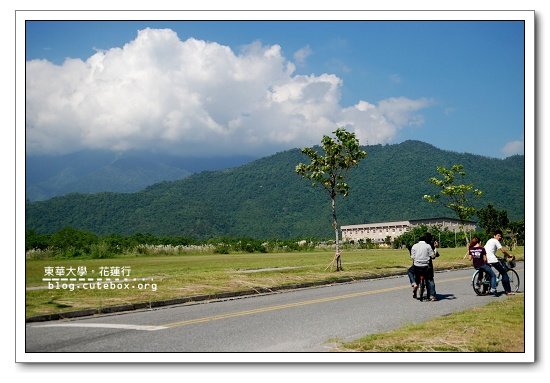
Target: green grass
[(187, 275), (496, 327)]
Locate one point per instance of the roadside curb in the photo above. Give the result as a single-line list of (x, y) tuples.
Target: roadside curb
[(203, 298), (184, 300)]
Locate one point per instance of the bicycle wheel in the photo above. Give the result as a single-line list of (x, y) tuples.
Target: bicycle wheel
[(514, 280), (477, 286), (422, 288)]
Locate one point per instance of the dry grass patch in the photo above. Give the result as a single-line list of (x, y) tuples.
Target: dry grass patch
[(496, 327), (188, 275)]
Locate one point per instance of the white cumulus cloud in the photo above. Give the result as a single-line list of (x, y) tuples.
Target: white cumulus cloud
[(302, 54), (195, 97), (512, 148)]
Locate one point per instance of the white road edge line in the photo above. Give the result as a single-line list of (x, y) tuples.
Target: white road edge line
[(105, 325)]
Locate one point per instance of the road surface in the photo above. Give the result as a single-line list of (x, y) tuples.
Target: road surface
[(305, 320)]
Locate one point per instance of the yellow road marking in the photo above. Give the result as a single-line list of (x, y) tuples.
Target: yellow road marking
[(291, 305), (275, 308)]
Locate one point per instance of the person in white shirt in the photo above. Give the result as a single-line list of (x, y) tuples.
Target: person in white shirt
[(422, 253), (491, 247)]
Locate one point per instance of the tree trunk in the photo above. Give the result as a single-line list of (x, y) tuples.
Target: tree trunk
[(466, 236), (337, 255)]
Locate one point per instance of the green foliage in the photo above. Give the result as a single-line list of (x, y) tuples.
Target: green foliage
[(115, 243), (73, 242), (101, 250), (222, 248), (226, 245), (456, 196), (411, 236), (491, 219), (445, 237), (34, 240), (265, 198), (330, 169), (516, 231), (366, 244)]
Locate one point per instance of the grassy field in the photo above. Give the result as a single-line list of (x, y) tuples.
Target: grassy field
[(187, 275), (480, 329)]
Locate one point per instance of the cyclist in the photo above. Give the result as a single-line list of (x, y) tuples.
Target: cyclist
[(478, 256), (491, 247), (410, 273), (431, 282), (422, 253)]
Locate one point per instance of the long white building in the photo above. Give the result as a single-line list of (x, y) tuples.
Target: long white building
[(378, 232)]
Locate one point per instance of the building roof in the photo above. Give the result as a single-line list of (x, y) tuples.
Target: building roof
[(441, 218), (392, 223), (408, 222)]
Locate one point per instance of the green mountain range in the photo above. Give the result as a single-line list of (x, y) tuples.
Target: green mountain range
[(94, 171), (267, 199)]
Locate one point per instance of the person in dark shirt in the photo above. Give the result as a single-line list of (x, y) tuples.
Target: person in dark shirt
[(430, 274), (410, 273), (478, 256)]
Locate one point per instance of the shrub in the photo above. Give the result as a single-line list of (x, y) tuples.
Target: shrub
[(101, 250), (222, 248), (73, 242)]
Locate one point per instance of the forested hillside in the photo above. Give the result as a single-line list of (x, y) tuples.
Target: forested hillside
[(267, 199), (95, 171)]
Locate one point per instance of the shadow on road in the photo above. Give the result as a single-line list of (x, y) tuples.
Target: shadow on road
[(441, 297)]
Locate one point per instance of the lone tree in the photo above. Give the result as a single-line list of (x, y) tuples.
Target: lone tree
[(455, 195), (329, 170), (491, 219)]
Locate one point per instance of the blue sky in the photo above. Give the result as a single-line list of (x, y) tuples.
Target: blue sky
[(261, 87)]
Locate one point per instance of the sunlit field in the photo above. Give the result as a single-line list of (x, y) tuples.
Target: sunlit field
[(159, 278)]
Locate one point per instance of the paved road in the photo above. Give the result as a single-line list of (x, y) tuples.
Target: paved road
[(306, 320)]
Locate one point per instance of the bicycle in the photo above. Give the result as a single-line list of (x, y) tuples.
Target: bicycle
[(422, 288), (484, 286)]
